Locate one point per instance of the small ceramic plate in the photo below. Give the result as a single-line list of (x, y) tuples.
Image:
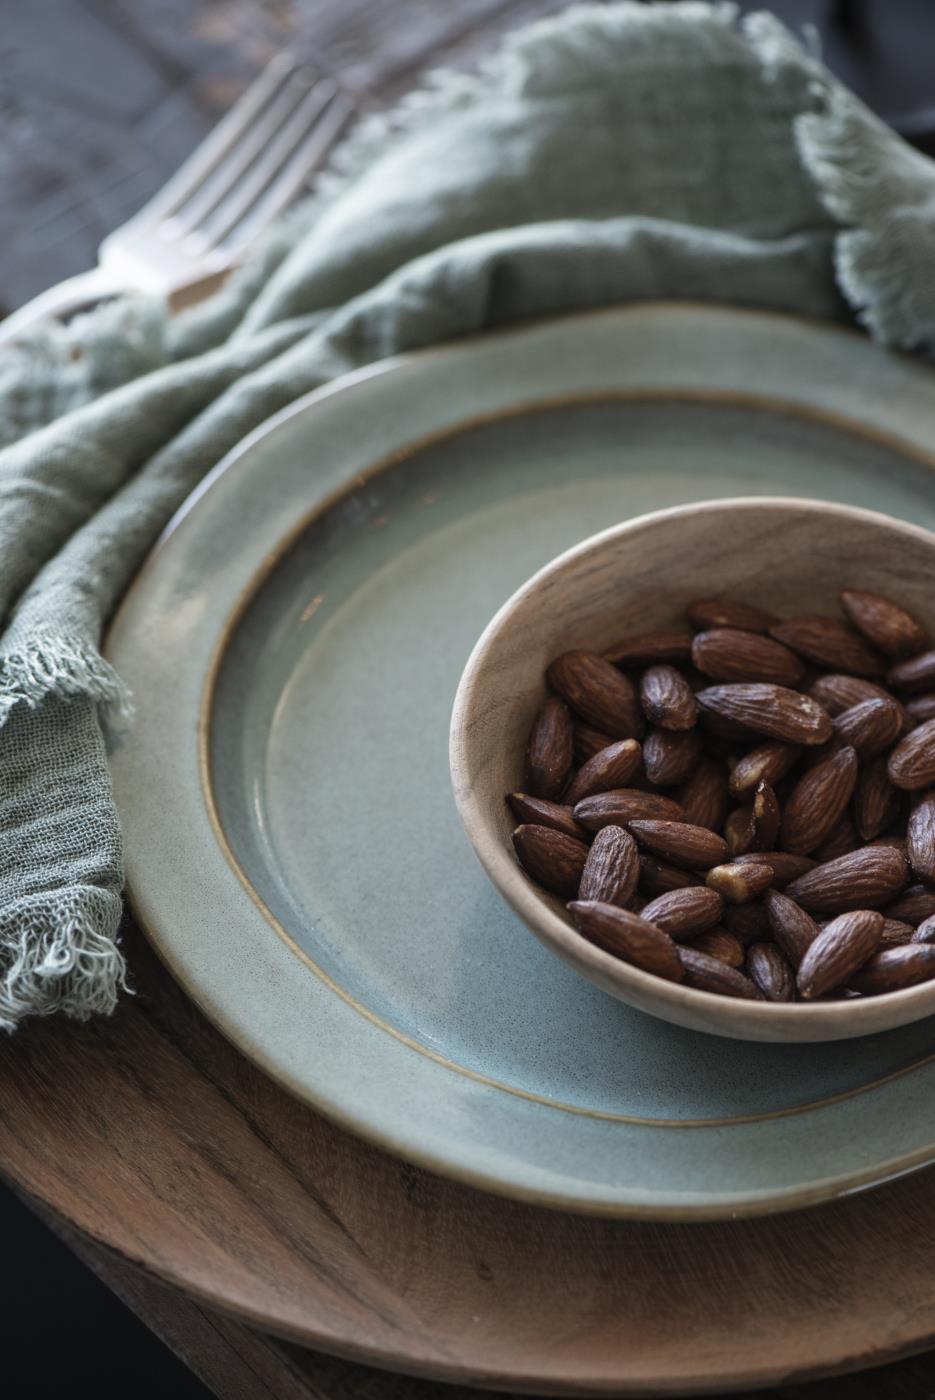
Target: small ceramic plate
[(295, 643)]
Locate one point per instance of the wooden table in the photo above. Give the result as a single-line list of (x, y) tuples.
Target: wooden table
[(100, 102)]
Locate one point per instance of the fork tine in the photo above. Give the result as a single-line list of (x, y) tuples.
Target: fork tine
[(308, 157), (244, 195), (219, 142)]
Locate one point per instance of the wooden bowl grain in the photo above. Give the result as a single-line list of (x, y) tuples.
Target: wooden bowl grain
[(788, 555)]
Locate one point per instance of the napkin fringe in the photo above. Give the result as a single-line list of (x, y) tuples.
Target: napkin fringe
[(62, 667), (59, 953)]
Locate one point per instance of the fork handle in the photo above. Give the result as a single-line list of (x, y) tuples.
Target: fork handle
[(64, 299)]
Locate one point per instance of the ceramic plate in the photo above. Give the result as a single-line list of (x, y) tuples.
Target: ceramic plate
[(295, 642)]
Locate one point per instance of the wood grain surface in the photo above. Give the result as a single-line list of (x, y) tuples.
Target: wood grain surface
[(186, 1180)]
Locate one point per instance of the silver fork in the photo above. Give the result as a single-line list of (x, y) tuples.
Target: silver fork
[(198, 226)]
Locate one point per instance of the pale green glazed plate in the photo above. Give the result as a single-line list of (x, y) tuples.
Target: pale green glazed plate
[(295, 643)]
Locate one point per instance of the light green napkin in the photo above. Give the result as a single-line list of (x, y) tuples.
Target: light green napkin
[(615, 153)]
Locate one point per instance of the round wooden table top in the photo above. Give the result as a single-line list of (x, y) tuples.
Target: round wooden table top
[(153, 1136)]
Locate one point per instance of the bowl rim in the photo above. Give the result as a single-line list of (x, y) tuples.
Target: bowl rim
[(532, 907)]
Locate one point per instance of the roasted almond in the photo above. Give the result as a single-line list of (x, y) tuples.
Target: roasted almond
[(870, 727), (887, 626), (766, 818), (612, 867), (747, 922), (727, 654), (839, 950), (914, 905), (920, 840), (767, 969), (538, 811), (723, 735), (598, 693), (876, 801), (725, 612), (550, 857), (768, 763), (720, 944), (895, 933), (703, 799), (793, 929), (620, 806), (712, 975), (628, 936), (667, 699), (769, 709), (692, 846), (925, 933), (864, 879), (842, 838), (786, 865), (737, 883), (686, 912), (837, 693), (827, 642), (610, 767), (912, 763), (669, 757), (648, 648), (739, 831), (915, 675), (588, 742), (656, 877), (550, 749), (894, 968), (921, 708), (819, 799)]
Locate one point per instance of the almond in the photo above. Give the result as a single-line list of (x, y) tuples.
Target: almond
[(669, 758), (766, 818), (550, 749), (737, 883), (915, 675), (692, 846), (667, 699), (718, 943), (876, 801), (612, 867), (686, 912), (768, 970), (537, 811), (894, 968), (915, 905), (621, 805), (656, 877), (769, 709), (747, 922), (588, 742), (550, 857), (628, 936), (841, 839), (827, 642), (768, 763), (885, 625), (724, 612), (895, 933), (703, 799), (786, 865), (921, 708), (727, 733), (912, 762), (712, 975), (793, 929), (863, 879), (597, 693), (925, 933), (730, 655), (648, 648), (870, 727), (610, 767), (837, 693), (819, 799), (920, 840), (739, 831), (838, 951)]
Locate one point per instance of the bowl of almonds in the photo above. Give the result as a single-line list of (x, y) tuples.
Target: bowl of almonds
[(696, 755)]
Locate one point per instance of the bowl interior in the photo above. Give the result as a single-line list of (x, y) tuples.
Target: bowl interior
[(791, 556)]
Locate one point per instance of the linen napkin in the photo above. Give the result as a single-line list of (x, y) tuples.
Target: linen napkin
[(613, 153)]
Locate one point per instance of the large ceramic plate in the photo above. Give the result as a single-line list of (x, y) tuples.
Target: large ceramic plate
[(295, 643)]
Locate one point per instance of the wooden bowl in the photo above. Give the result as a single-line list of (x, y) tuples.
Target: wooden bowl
[(791, 556)]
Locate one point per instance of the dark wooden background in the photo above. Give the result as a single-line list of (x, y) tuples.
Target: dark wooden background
[(100, 101)]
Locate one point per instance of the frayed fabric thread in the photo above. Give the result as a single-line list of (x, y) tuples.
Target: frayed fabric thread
[(63, 667)]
